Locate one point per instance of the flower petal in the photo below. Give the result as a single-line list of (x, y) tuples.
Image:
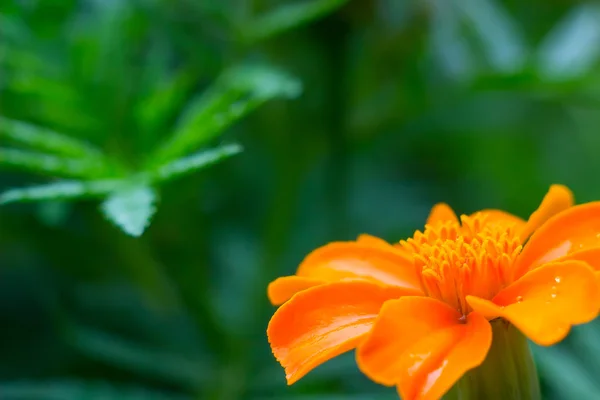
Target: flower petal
[(590, 256), (282, 289), (547, 301), (575, 229), (360, 260), (372, 240), (558, 199), (421, 345), (322, 322), (500, 217), (441, 212)]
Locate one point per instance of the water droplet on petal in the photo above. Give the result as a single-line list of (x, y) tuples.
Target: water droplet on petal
[(553, 295), (554, 288), (557, 279), (519, 299)]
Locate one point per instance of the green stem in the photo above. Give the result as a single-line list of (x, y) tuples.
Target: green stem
[(508, 372)]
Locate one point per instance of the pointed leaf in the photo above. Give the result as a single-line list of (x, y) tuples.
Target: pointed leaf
[(46, 140), (53, 165), (571, 49), (131, 209), (196, 161), (288, 16), (453, 54), (161, 103), (500, 37), (61, 190), (235, 94)]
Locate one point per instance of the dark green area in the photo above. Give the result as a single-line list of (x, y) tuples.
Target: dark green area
[(354, 117)]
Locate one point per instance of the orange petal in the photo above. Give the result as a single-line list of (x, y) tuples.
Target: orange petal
[(558, 199), (589, 256), (322, 322), (547, 301), (282, 289), (373, 241), (421, 345), (503, 218), (359, 260), (575, 229), (441, 212)]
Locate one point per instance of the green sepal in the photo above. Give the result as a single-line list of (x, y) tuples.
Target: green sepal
[(508, 372)]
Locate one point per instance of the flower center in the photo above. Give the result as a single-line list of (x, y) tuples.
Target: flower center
[(455, 260)]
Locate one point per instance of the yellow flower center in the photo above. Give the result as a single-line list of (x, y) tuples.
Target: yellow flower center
[(455, 260)]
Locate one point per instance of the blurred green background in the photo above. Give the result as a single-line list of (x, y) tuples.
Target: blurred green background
[(354, 117)]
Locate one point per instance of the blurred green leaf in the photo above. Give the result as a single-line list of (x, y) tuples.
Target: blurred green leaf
[(43, 139), (80, 390), (586, 345), (564, 374), (470, 37), (286, 17), (236, 93), (451, 53), (500, 38), (131, 209), (571, 48), (178, 369), (53, 165), (164, 100), (196, 161), (62, 190)]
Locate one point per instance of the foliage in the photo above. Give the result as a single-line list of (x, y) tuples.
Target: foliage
[(478, 103)]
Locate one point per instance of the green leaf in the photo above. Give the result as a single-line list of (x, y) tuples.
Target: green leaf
[(236, 93), (564, 374), (500, 37), (61, 190), (196, 161), (162, 102), (42, 139), (131, 209), (287, 17), (53, 165), (570, 49), (79, 390)]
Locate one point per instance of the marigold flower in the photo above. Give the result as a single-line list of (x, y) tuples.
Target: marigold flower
[(418, 312)]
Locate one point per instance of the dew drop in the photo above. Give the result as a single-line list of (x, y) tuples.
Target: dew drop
[(553, 295), (554, 288), (519, 299), (557, 279)]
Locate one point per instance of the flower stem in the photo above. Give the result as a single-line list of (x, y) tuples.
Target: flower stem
[(508, 372)]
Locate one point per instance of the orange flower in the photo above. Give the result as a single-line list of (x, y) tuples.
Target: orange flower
[(418, 312)]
